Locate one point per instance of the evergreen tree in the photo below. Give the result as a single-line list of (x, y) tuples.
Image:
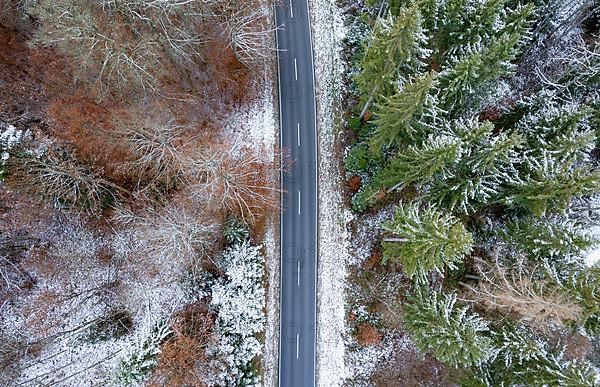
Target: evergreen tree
[(584, 286), (542, 239), (487, 162), (396, 48), (464, 80), (550, 187), (425, 240), (455, 337), (561, 132), (522, 359), (401, 118), (419, 164)]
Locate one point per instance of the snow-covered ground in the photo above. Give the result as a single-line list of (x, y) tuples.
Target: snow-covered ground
[(328, 32), (257, 126)]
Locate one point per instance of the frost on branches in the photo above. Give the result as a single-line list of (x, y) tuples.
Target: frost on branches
[(238, 300), (10, 137)]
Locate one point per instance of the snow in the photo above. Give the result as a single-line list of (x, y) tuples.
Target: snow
[(364, 361), (592, 258), (255, 125), (271, 348), (328, 32)]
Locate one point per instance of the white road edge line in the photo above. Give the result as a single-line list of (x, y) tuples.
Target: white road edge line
[(296, 68), (291, 10), (297, 345), (299, 193), (298, 273), (298, 134)]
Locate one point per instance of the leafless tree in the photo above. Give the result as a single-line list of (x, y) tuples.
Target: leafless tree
[(537, 302), (156, 141), (61, 179), (234, 179), (250, 36)]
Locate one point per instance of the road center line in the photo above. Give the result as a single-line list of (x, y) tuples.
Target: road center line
[(298, 202), (298, 273), (291, 9), (298, 134), (297, 345), (296, 68)]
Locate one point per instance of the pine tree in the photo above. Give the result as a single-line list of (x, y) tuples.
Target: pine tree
[(425, 239), (543, 239), (396, 49), (550, 187), (522, 359), (584, 286), (455, 337), (487, 162), (419, 164), (482, 64), (401, 117)]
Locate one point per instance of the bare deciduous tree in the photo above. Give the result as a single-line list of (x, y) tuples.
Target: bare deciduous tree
[(537, 302), (250, 36), (234, 179)]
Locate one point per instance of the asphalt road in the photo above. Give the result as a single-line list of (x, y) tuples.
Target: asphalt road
[(299, 198)]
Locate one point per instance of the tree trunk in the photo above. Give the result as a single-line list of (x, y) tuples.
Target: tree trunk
[(400, 240)]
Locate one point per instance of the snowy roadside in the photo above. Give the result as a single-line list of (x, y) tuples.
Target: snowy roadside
[(328, 32), (258, 127)]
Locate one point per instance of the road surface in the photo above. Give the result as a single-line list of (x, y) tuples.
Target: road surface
[(299, 198)]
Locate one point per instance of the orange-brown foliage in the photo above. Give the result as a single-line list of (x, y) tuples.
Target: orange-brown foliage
[(354, 183), (87, 126), (374, 260), (367, 335), (181, 361)]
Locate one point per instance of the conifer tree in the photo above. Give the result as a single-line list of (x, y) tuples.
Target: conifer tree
[(396, 48), (584, 286), (487, 162), (550, 187), (419, 164), (437, 324), (460, 83), (542, 239), (401, 117), (522, 359), (423, 240)]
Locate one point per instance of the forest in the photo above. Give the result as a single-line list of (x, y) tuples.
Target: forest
[(133, 208), (472, 170)]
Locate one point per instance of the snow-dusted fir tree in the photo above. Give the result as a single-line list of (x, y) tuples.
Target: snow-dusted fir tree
[(487, 161), (401, 116), (543, 239), (436, 324), (238, 301), (550, 186), (135, 367), (395, 49), (418, 164), (584, 287), (522, 358), (10, 138), (425, 239)]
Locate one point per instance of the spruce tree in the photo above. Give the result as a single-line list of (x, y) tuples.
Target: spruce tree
[(543, 239), (419, 164), (463, 81), (584, 286), (401, 118), (423, 240), (455, 337), (395, 50), (477, 178), (550, 187), (523, 359)]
